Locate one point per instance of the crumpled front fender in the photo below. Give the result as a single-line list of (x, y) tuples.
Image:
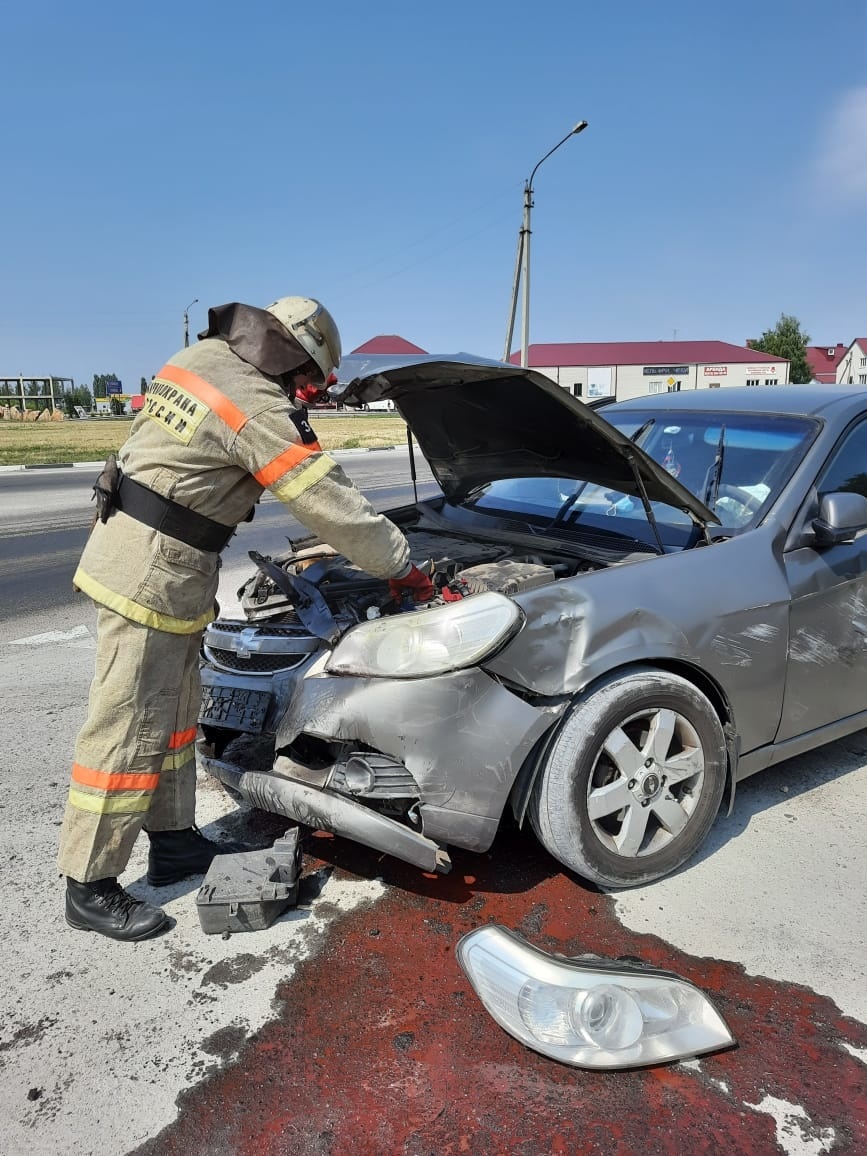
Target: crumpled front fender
[(463, 736)]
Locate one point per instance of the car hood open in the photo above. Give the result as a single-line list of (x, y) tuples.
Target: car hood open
[(477, 421)]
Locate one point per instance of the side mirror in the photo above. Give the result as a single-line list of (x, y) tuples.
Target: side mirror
[(842, 517)]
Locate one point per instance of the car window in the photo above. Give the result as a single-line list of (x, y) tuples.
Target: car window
[(736, 463), (847, 469)]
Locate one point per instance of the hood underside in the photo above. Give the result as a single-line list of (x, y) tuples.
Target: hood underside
[(479, 421)]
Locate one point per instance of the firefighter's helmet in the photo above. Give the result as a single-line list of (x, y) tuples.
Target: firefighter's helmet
[(313, 327)]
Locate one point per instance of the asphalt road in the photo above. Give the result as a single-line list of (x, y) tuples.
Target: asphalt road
[(45, 516), (347, 1026)]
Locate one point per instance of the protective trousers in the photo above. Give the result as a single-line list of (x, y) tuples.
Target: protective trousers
[(135, 761)]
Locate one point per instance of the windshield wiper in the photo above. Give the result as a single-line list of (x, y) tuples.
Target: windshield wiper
[(563, 512), (642, 429), (714, 474)]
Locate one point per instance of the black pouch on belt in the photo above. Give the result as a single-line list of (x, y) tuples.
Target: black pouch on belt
[(105, 489)]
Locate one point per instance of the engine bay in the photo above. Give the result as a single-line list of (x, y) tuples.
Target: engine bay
[(312, 580)]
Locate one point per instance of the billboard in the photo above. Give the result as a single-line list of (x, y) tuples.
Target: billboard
[(112, 385)]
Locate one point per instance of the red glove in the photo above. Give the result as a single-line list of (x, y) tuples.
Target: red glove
[(418, 584)]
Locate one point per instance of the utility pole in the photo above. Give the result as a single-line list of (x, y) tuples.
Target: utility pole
[(522, 262)]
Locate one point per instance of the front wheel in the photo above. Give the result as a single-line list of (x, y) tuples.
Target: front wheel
[(633, 781)]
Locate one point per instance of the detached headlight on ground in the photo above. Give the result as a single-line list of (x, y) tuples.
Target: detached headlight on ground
[(591, 1014), (427, 642)]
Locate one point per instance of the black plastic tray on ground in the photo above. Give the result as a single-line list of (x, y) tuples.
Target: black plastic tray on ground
[(249, 890)]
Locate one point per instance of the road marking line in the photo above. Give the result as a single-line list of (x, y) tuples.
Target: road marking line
[(50, 636)]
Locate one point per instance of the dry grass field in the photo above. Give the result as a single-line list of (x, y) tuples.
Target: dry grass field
[(43, 443)]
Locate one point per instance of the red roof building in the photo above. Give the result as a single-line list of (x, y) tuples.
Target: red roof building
[(625, 369), (642, 353), (388, 343), (823, 361)]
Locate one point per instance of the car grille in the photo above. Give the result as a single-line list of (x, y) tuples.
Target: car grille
[(257, 649), (289, 630), (255, 664)]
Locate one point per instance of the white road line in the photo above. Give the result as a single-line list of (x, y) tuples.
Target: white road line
[(50, 636)]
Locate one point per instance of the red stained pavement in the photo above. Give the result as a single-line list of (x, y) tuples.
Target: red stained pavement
[(382, 1046)]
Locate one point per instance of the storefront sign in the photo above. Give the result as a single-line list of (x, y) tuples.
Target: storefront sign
[(665, 370), (715, 370)]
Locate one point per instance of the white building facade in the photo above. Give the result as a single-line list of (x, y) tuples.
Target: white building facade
[(627, 369), (852, 369)]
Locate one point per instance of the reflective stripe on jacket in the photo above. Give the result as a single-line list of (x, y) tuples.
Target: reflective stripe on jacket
[(213, 434)]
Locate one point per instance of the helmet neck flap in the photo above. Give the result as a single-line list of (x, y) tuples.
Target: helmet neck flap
[(257, 337)]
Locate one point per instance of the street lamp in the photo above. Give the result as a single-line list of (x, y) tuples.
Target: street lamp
[(195, 301), (522, 260)]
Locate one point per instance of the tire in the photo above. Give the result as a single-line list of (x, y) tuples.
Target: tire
[(608, 813)]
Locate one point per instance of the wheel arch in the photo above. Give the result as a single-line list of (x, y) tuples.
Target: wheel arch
[(522, 788)]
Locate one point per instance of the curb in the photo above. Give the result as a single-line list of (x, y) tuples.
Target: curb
[(362, 450), (53, 466)]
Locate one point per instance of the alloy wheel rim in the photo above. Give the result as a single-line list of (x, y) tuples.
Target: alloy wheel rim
[(646, 782)]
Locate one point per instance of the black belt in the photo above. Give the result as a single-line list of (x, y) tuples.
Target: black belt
[(170, 517)]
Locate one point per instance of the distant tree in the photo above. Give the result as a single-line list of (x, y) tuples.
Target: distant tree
[(143, 385), (80, 395), (788, 340)]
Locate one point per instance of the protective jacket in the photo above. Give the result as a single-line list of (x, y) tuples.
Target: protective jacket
[(214, 433)]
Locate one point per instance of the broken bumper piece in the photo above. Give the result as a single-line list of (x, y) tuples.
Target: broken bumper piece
[(249, 890), (326, 810)]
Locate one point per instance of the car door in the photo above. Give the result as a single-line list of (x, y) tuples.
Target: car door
[(827, 670)]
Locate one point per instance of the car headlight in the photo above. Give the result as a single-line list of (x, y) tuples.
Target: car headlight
[(591, 1014), (429, 641)]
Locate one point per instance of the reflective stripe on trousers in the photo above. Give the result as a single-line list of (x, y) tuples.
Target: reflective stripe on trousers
[(135, 755)]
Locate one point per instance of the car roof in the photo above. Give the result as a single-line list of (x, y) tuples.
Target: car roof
[(812, 400)]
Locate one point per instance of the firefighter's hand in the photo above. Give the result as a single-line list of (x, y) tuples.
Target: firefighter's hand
[(418, 584)]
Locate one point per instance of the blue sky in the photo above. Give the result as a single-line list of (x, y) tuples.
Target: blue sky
[(373, 155)]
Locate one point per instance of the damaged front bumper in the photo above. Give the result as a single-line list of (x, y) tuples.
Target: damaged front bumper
[(405, 766), (326, 810)]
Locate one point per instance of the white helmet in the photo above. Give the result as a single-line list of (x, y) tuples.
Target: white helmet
[(313, 327)]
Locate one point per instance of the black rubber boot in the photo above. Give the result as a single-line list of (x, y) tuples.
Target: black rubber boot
[(174, 855), (103, 906)]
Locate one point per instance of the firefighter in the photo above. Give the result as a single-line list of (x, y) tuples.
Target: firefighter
[(223, 421)]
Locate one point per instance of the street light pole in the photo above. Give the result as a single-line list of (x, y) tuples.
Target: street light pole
[(195, 301), (523, 260)]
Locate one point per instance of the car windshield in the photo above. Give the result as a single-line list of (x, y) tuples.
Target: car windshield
[(736, 463)]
